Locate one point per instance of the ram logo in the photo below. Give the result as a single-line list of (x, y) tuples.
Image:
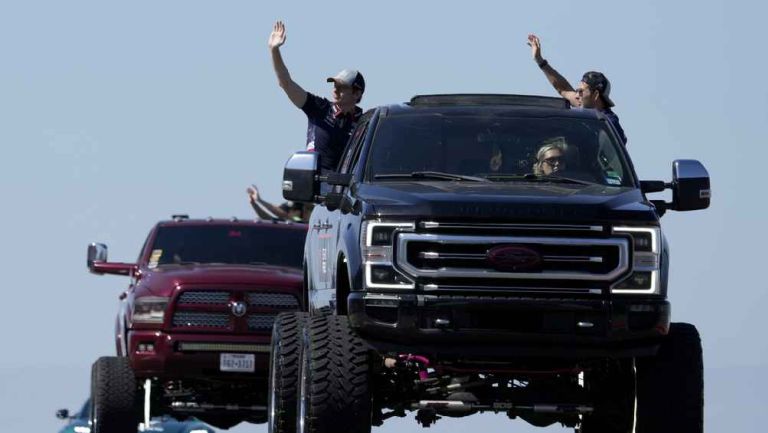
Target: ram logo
[(239, 309)]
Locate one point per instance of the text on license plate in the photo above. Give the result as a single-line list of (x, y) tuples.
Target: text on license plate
[(238, 362)]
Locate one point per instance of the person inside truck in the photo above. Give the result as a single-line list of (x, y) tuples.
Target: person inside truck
[(551, 157), (288, 211), (330, 124), (593, 91)]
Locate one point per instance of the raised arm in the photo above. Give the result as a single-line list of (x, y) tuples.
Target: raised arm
[(557, 81), (295, 93), (264, 209)]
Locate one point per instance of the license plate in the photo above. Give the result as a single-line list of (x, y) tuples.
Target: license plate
[(238, 362)]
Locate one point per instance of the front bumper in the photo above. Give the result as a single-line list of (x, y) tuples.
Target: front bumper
[(510, 326), (191, 356)]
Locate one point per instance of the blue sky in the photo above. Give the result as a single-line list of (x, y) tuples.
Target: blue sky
[(117, 114)]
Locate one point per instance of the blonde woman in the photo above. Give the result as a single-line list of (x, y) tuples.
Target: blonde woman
[(551, 157)]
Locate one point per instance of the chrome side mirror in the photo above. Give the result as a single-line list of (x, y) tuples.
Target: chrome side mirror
[(96, 253)]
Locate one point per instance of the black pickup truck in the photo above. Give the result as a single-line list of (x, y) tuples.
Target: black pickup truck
[(486, 253)]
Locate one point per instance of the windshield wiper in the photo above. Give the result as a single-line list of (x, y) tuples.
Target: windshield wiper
[(430, 175), (541, 178), (558, 179), (181, 263)]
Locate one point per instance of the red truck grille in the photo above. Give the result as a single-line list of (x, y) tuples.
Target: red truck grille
[(274, 300), (191, 319), (207, 297), (214, 310)]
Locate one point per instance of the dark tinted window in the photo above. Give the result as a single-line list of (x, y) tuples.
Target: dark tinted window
[(498, 147), (227, 244), (85, 411)]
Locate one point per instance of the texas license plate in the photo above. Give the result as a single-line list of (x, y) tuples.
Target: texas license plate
[(238, 362)]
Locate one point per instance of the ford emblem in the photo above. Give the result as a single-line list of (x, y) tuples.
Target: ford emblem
[(514, 258), (238, 309)]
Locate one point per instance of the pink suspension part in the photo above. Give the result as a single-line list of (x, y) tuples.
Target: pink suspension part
[(423, 360)]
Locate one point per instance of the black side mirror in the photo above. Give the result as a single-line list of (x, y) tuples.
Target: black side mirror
[(96, 253), (300, 181), (62, 414), (690, 185)]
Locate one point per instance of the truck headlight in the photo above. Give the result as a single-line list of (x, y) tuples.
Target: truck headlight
[(377, 239), (645, 276), (149, 309)]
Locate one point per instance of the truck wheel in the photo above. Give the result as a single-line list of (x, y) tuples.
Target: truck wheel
[(614, 392), (113, 396), (670, 385), (335, 377), (283, 371)]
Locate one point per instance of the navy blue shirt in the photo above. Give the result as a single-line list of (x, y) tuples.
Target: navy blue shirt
[(615, 122), (328, 129)]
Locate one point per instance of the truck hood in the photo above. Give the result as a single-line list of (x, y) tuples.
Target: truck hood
[(508, 201), (163, 280)]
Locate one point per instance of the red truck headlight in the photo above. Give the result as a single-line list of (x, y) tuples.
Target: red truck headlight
[(149, 309)]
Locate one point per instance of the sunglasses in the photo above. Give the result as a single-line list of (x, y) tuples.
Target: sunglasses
[(553, 161)]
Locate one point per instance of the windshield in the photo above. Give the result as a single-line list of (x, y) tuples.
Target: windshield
[(227, 244), (497, 148)]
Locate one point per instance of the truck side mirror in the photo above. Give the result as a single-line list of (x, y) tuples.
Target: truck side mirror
[(300, 181), (62, 414), (690, 185), (96, 253)]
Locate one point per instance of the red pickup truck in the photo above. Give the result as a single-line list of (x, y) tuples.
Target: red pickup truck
[(193, 330)]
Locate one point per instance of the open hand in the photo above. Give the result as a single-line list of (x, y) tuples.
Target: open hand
[(253, 192), (535, 44), (277, 38)]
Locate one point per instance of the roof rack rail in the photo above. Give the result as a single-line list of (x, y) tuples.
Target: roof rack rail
[(488, 99), (179, 217)]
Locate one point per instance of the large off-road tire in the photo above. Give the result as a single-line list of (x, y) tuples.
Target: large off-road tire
[(284, 371), (113, 396), (613, 389), (670, 385), (335, 394)]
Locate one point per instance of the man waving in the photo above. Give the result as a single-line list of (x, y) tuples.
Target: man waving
[(593, 92), (330, 123)]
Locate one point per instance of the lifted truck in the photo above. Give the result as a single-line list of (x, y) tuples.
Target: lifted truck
[(486, 253), (194, 324)]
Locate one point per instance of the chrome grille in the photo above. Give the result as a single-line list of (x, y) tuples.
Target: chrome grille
[(548, 228), (204, 297), (260, 322), (569, 259), (194, 319)]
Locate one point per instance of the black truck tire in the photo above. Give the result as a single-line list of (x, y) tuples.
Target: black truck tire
[(335, 379), (113, 396), (284, 371), (614, 391), (670, 385)]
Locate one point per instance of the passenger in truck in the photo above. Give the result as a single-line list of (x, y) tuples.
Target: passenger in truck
[(551, 157), (287, 211), (329, 122)]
